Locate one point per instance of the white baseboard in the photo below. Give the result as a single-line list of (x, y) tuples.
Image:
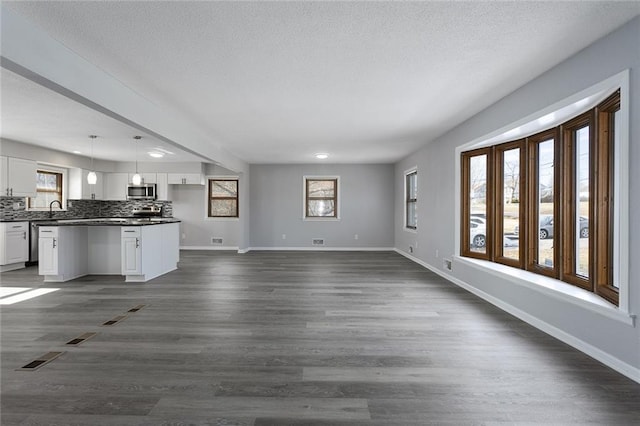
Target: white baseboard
[(620, 366), (212, 248), (320, 248)]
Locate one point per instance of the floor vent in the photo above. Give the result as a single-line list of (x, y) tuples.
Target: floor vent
[(115, 320), (317, 242), (37, 363), (217, 241), (136, 308), (80, 339)]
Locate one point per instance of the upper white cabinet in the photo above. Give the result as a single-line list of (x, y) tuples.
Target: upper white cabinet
[(185, 179), (115, 186), (79, 187), (146, 177), (18, 177), (162, 187)]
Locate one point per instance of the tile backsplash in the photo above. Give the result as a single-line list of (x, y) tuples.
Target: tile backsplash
[(78, 208)]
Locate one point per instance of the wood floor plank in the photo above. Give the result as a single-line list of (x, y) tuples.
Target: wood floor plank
[(292, 338)]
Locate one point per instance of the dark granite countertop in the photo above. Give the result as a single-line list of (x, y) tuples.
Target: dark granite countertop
[(100, 221)]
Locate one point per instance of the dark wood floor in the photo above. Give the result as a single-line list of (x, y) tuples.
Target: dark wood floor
[(293, 338)]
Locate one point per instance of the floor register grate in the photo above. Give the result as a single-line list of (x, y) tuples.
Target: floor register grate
[(80, 339), (39, 362)]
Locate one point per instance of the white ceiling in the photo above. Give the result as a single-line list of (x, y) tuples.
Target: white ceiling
[(276, 82)]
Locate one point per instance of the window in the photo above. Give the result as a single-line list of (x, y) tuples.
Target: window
[(48, 189), (321, 198), (545, 203), (411, 200), (223, 198)]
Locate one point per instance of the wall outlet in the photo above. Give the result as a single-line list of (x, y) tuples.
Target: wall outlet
[(448, 265), (184, 235), (437, 253), (284, 236), (355, 237)]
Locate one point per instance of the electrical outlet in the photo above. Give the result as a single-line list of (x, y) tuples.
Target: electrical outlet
[(355, 237), (448, 265), (437, 253), (284, 236), (184, 235)]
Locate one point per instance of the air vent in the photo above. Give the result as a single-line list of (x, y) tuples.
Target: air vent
[(216, 241), (317, 242), (115, 320), (37, 363), (136, 308), (80, 339)]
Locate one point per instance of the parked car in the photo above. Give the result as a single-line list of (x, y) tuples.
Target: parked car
[(478, 233), (546, 227)]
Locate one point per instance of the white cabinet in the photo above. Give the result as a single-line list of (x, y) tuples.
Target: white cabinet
[(162, 187), (185, 179), (48, 251), (79, 187), (14, 245), (146, 177), (18, 177), (131, 250), (62, 252), (115, 186)]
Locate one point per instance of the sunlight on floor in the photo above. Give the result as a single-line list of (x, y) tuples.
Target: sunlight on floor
[(11, 295)]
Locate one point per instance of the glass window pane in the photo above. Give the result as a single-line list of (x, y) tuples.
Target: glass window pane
[(478, 202), (412, 188), (321, 188), (581, 221), (224, 188), (47, 181), (511, 203), (321, 208), (224, 208), (412, 215), (545, 203)]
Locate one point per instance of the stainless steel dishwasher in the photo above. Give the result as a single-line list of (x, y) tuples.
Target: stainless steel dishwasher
[(33, 243)]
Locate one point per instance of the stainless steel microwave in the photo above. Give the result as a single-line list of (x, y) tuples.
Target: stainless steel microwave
[(145, 191)]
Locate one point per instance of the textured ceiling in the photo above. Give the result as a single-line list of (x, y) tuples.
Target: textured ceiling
[(276, 82)]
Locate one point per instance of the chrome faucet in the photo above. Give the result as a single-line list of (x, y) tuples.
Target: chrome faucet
[(51, 207)]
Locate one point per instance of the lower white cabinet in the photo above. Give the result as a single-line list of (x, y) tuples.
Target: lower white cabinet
[(131, 251), (140, 253), (14, 245)]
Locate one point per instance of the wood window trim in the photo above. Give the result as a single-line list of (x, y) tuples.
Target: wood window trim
[(602, 144), (210, 198), (568, 237), (533, 233), (465, 234), (408, 199), (308, 198), (499, 206), (58, 190)]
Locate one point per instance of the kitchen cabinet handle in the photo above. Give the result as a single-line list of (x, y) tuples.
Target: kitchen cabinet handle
[(16, 226), (24, 235), (54, 243), (137, 243), (12, 192)]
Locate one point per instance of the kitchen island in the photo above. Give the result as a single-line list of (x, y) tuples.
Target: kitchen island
[(138, 249)]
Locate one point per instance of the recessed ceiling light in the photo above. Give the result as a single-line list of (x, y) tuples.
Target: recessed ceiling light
[(322, 156), (76, 152), (155, 154)]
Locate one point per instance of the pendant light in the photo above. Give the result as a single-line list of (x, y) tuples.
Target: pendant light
[(92, 178), (137, 179)]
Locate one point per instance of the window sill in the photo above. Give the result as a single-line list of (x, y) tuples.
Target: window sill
[(321, 219), (221, 219), (411, 230), (552, 287)]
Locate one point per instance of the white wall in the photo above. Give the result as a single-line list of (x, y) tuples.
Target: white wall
[(365, 197), (612, 341)]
